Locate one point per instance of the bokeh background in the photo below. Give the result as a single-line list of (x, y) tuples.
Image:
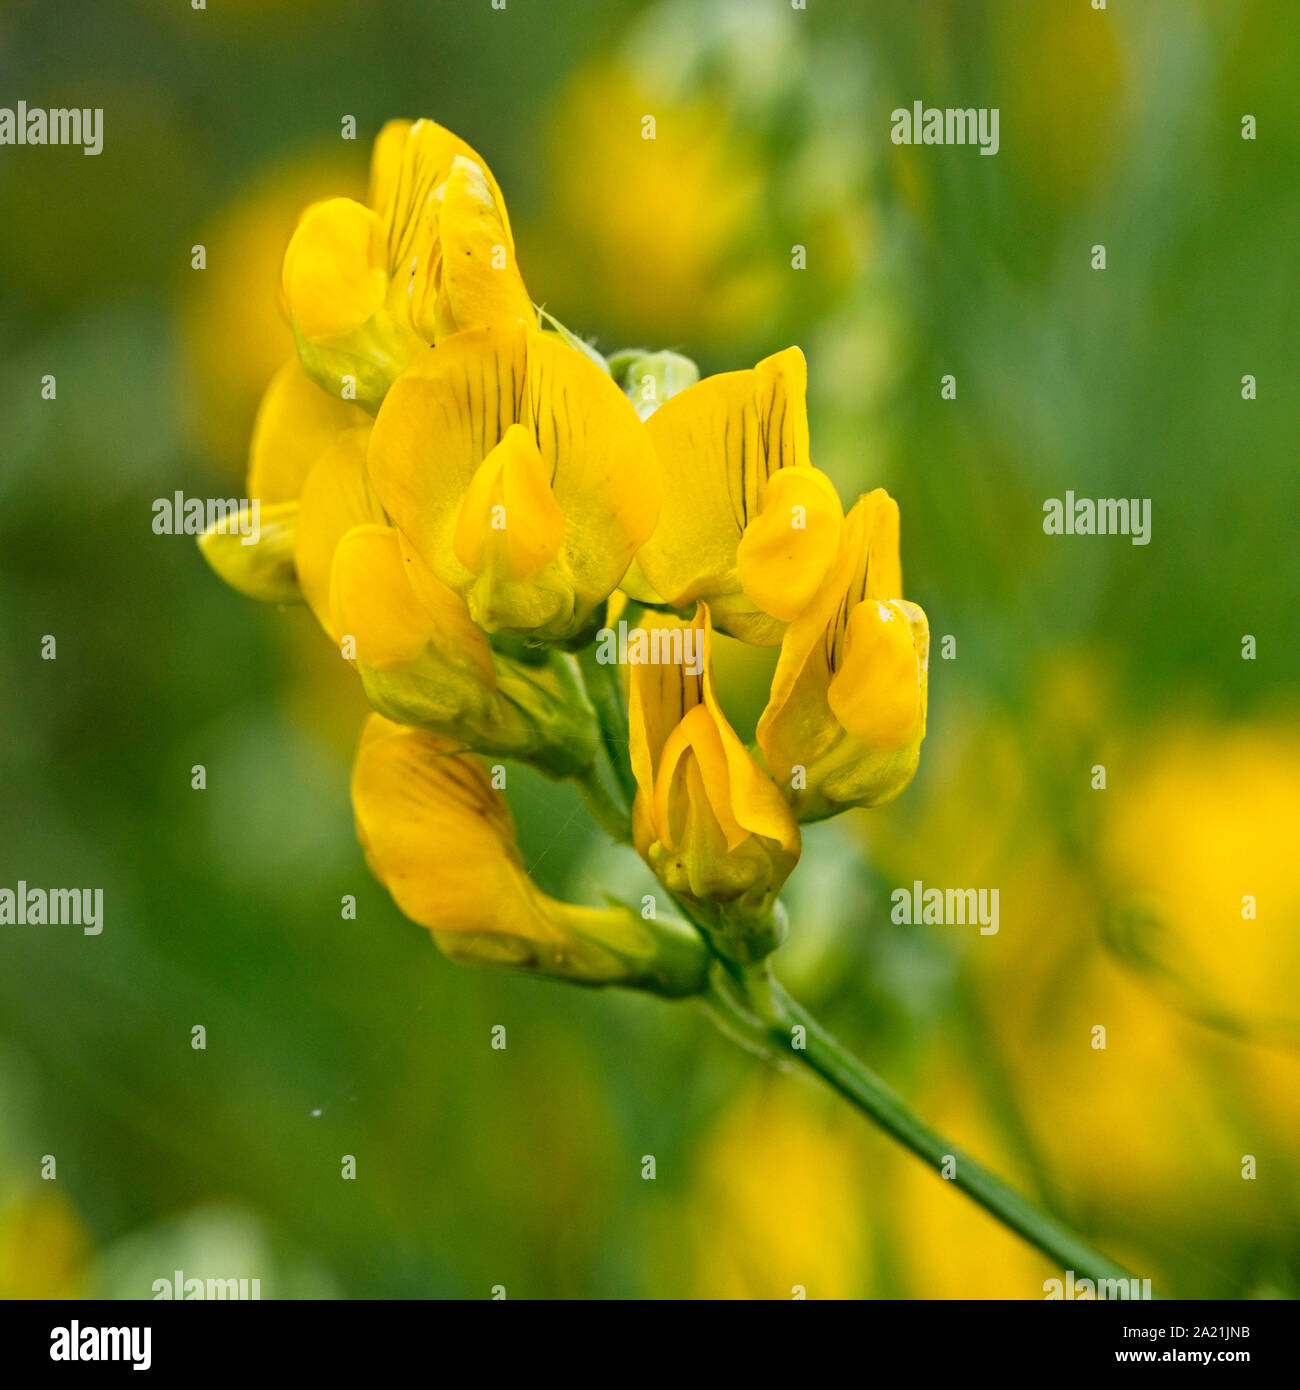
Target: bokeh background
[(328, 1037)]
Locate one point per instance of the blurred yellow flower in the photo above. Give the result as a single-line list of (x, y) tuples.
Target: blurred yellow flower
[(779, 1206), (1201, 840), (235, 333), (1154, 1124), (43, 1246), (653, 236), (1205, 837), (948, 1247)]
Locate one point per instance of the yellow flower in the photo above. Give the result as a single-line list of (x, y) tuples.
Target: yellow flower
[(297, 423), (707, 819), (367, 287), (844, 722), (747, 523), (1195, 815), (440, 838), (520, 474), (336, 496), (424, 661)]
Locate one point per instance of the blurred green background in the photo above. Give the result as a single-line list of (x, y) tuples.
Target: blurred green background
[(326, 1037)]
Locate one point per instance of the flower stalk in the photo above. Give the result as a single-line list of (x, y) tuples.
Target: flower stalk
[(605, 691), (752, 1008)]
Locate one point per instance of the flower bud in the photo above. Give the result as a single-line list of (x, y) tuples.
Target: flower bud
[(649, 379), (844, 722), (707, 819)]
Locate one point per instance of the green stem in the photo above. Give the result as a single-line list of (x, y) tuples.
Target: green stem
[(753, 1009), (605, 691), (606, 811)]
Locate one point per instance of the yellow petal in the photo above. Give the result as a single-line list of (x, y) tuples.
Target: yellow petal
[(884, 570), (877, 691), (466, 275), (813, 642), (681, 740), (456, 631), (441, 840), (868, 566), (694, 748), (264, 570), (335, 498), (756, 802), (718, 443), (385, 163), (659, 696), (372, 600), (453, 406), (296, 422), (443, 605), (406, 179), (440, 420), (438, 836), (790, 545), (335, 273), (847, 706), (510, 518)]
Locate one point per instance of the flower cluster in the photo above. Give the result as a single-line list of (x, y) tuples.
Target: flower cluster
[(465, 495)]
